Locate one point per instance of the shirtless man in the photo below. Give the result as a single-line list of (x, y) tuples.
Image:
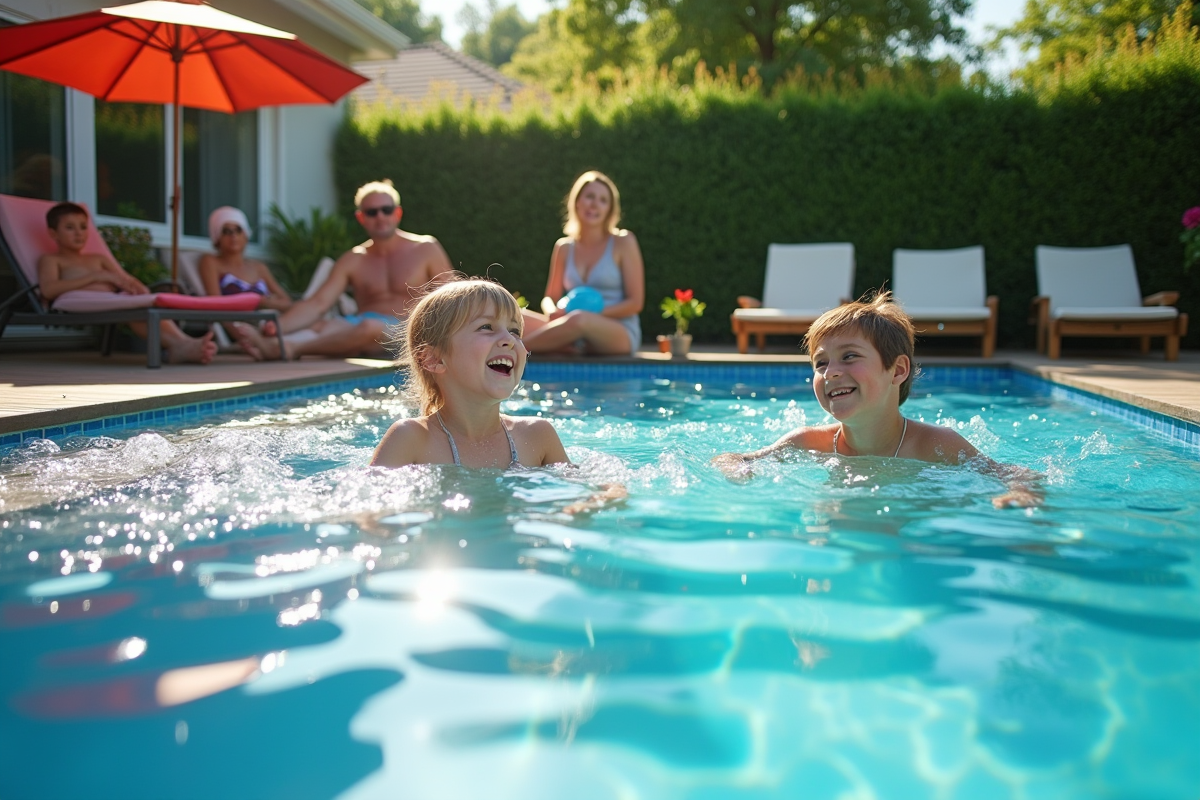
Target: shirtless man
[(72, 270), (383, 274)]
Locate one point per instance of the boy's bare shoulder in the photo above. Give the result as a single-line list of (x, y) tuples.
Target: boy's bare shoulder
[(939, 443), (813, 437)]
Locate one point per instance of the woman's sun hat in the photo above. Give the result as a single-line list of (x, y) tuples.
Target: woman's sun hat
[(222, 215)]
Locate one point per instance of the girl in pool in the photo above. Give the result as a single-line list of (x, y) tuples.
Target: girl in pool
[(594, 253), (463, 354)]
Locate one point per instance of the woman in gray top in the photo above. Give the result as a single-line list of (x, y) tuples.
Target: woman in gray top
[(597, 254)]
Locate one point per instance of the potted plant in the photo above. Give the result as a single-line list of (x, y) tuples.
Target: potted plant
[(1191, 237), (684, 308)]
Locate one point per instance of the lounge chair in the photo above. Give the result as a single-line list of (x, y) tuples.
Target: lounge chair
[(803, 281), (23, 240), (944, 291), (1094, 291)]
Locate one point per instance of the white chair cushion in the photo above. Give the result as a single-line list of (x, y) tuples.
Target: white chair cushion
[(806, 276), (940, 279), (1123, 313), (779, 314), (1088, 277), (947, 314)]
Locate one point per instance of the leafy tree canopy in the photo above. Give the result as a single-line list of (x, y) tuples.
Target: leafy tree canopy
[(1061, 30), (774, 37), (493, 38), (406, 17)]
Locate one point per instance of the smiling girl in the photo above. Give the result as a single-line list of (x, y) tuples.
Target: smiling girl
[(463, 354)]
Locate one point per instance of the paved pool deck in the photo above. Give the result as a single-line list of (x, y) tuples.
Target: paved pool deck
[(41, 390)]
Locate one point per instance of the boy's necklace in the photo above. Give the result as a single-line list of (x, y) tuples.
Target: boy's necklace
[(903, 431)]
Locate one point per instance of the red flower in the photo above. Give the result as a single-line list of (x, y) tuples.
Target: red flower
[(683, 295)]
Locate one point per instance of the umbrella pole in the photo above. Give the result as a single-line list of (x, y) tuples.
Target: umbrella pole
[(175, 156)]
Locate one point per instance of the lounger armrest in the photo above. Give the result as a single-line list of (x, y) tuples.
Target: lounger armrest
[(1038, 307), (992, 302), (1161, 299), (18, 297), (746, 301)]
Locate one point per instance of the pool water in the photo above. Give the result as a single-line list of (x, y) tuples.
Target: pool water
[(237, 607)]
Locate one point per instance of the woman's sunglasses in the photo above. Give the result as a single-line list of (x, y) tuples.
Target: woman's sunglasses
[(387, 211), (232, 230)]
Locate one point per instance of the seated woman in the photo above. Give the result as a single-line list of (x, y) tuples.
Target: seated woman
[(595, 253), (229, 271)]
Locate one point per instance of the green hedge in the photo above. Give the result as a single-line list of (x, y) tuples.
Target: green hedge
[(709, 178)]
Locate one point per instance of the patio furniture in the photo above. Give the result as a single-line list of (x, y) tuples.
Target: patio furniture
[(1094, 291), (24, 239), (803, 281), (346, 306), (944, 292)]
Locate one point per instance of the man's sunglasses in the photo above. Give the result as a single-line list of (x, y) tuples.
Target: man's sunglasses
[(387, 211)]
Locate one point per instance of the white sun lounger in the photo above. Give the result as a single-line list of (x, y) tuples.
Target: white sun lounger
[(945, 293), (1094, 291), (803, 281)]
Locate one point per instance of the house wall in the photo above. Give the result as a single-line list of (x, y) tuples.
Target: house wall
[(295, 142)]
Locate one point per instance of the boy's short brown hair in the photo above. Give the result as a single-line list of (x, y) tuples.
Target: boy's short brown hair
[(883, 323), (56, 213)]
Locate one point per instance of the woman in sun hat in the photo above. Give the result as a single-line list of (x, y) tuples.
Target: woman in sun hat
[(228, 271)]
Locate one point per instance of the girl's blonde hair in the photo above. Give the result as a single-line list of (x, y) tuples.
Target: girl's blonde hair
[(571, 228), (437, 316)]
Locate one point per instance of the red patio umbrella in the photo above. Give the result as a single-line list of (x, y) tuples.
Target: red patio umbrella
[(182, 52)]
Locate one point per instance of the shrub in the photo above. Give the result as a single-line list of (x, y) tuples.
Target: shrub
[(131, 247), (712, 173), (296, 246)]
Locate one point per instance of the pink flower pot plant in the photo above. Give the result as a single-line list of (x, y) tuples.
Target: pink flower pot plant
[(684, 308), (1191, 236)]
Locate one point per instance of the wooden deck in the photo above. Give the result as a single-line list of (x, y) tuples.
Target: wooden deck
[(39, 390)]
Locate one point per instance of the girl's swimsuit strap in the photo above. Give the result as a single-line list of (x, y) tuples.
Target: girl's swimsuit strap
[(512, 446)]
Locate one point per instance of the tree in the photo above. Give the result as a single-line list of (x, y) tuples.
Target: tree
[(819, 35), (495, 38), (1064, 29), (775, 37), (406, 17), (602, 38)]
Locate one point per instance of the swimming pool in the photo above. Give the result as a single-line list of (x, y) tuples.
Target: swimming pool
[(231, 605)]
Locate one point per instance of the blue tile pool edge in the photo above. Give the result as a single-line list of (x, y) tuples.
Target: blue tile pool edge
[(1173, 428)]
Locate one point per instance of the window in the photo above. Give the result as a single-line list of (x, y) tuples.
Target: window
[(131, 155), (220, 166), (33, 151)]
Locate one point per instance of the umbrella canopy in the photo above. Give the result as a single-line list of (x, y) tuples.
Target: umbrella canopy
[(181, 52)]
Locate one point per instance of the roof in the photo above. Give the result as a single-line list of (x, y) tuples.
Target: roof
[(370, 36), (429, 69)]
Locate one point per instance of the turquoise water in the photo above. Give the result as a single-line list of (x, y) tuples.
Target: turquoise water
[(237, 607)]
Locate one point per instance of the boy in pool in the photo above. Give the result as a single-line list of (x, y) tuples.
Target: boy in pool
[(862, 357), (463, 354), (71, 269)]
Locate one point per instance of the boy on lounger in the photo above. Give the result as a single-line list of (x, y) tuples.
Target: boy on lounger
[(862, 358), (71, 269)]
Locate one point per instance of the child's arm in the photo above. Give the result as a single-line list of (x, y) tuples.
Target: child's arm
[(403, 444), (736, 466), (1024, 485), (52, 284)]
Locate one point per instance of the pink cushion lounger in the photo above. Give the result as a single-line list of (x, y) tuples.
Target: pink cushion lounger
[(24, 239)]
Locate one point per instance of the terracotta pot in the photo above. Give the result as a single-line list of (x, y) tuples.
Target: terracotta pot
[(664, 343)]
